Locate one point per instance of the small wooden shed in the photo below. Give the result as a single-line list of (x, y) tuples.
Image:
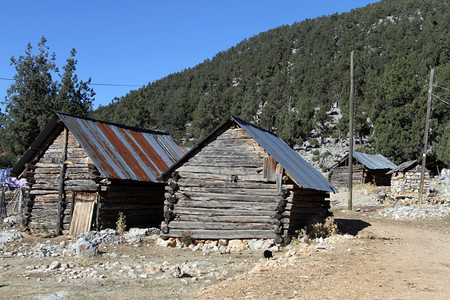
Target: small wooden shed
[(405, 180), (82, 173), (367, 168), (242, 182)]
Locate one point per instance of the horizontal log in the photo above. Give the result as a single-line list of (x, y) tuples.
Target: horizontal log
[(231, 152), (48, 165), (43, 192), (228, 219), (219, 212), (207, 159), (206, 170), (238, 205), (79, 182), (225, 164), (235, 191), (224, 142), (90, 188), (221, 226), (47, 170), (224, 177), (199, 196), (44, 187), (208, 183), (225, 234)]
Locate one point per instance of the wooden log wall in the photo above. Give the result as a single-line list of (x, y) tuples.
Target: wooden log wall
[(339, 175), (378, 177), (44, 180), (304, 207), (141, 203), (221, 192)]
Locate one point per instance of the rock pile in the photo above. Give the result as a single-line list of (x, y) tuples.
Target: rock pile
[(10, 236), (414, 212), (224, 246)]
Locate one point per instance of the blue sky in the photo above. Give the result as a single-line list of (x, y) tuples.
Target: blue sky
[(137, 42)]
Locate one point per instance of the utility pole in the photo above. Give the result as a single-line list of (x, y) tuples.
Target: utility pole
[(425, 139), (350, 151)]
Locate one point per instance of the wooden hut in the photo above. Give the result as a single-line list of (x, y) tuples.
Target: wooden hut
[(367, 168), (405, 180), (242, 182), (82, 173)]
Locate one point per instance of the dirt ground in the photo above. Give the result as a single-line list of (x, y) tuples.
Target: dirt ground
[(377, 258)]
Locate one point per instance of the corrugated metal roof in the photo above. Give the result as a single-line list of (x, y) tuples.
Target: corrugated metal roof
[(305, 174), (120, 152), (374, 161), (407, 165)]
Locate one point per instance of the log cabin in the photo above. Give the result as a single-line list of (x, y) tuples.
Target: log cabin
[(242, 182), (82, 172), (367, 168)]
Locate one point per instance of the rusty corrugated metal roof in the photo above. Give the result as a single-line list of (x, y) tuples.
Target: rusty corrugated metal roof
[(121, 152)]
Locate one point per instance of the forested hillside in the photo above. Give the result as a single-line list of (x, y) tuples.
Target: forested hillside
[(286, 79)]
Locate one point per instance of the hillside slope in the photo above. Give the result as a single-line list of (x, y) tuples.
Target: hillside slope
[(287, 78)]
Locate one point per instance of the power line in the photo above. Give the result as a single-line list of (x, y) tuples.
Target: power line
[(441, 99), (444, 88), (114, 84), (98, 84)]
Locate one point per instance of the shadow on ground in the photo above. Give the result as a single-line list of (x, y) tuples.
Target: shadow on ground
[(351, 226)]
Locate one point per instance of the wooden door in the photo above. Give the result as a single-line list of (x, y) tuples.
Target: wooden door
[(82, 213)]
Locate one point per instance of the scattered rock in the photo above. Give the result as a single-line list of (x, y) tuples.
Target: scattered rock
[(55, 265), (13, 220), (11, 236), (85, 248)]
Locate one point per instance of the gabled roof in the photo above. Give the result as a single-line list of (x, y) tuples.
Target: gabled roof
[(300, 171), (374, 161), (371, 161), (406, 166), (118, 152)]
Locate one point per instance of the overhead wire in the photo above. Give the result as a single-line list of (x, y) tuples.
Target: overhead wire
[(434, 95)]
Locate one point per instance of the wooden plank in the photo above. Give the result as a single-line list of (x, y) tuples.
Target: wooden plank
[(82, 214)]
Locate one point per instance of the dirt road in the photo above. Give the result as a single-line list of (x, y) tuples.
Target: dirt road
[(387, 259), (378, 258)]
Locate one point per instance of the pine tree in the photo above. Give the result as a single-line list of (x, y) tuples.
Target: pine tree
[(29, 100)]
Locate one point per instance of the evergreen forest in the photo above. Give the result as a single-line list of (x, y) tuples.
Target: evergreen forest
[(286, 80)]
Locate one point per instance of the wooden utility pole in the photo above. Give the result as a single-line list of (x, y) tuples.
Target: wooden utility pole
[(425, 139), (350, 151)]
